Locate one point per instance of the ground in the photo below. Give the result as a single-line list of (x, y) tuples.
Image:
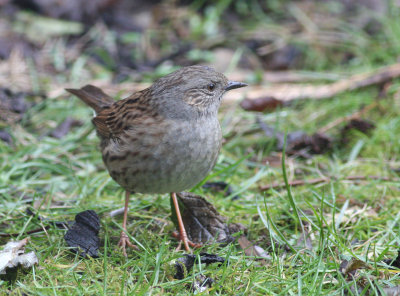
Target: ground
[(332, 237)]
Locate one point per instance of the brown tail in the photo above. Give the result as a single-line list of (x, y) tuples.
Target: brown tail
[(92, 96)]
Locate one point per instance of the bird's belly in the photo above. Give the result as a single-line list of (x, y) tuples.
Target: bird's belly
[(177, 161)]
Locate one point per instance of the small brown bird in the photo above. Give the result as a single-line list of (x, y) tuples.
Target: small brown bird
[(163, 139)]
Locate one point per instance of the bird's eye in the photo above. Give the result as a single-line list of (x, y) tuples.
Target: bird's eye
[(211, 86)]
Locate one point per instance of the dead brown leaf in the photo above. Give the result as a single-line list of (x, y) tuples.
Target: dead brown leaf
[(362, 125), (14, 72), (261, 104), (297, 142), (251, 249), (5, 137), (64, 127), (73, 9), (354, 116), (305, 240), (12, 106), (348, 268), (202, 221)]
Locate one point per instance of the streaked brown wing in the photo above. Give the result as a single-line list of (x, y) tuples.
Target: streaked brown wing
[(121, 115)]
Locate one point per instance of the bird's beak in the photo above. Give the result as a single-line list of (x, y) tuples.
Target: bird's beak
[(234, 84)]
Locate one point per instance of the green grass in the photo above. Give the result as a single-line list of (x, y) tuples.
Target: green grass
[(347, 219)]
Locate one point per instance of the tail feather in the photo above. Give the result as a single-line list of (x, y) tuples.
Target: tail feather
[(92, 96)]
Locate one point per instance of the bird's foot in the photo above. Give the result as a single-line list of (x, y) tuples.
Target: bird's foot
[(176, 235), (125, 242)]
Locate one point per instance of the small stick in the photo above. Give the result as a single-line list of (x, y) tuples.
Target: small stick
[(340, 120), (325, 180), (27, 232)]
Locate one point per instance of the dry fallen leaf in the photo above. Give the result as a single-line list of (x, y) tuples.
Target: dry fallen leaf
[(71, 10), (64, 127), (358, 282), (5, 137), (361, 125), (250, 249), (261, 104), (297, 142), (14, 72), (13, 256), (305, 239), (202, 221), (348, 268), (12, 106), (220, 187)]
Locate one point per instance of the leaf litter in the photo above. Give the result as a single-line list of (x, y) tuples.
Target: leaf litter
[(297, 142), (6, 137), (221, 187), (351, 270), (184, 265), (361, 125), (64, 127), (13, 257), (203, 223), (252, 250), (12, 106)]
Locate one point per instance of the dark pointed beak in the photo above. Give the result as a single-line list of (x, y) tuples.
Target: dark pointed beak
[(234, 84)]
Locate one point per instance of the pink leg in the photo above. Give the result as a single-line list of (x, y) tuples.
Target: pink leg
[(124, 239), (182, 232)]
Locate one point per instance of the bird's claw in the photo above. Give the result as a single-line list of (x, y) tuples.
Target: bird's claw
[(176, 235), (125, 242)]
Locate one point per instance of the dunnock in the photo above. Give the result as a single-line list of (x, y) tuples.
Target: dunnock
[(163, 139)]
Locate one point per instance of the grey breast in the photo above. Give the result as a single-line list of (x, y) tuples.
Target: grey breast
[(174, 161)]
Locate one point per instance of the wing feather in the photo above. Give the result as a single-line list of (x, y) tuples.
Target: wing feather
[(114, 120)]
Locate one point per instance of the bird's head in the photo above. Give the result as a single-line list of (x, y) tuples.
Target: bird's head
[(193, 90)]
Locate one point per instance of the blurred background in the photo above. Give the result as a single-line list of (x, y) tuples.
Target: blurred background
[(121, 40)]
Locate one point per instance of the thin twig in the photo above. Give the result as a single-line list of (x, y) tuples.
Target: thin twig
[(355, 115), (292, 92), (27, 232), (325, 180)]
